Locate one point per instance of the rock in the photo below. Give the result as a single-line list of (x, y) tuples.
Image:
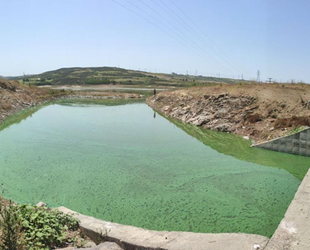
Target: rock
[(256, 246), (89, 244), (201, 120), (67, 248), (103, 246), (246, 137), (223, 128), (107, 246), (41, 204)]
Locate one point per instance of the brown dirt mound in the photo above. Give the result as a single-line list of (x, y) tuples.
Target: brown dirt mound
[(292, 122), (15, 97), (260, 111)]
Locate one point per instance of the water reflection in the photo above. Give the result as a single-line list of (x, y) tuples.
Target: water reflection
[(233, 145)]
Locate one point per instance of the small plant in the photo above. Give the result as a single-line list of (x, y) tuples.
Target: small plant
[(10, 227), (31, 227), (44, 228), (296, 130), (103, 235)]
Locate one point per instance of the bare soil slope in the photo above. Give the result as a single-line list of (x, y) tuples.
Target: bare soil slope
[(259, 111), (15, 97)]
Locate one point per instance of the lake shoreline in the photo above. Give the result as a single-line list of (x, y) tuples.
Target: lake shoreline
[(45, 96), (258, 112)]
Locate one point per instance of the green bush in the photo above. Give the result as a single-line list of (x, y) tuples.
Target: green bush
[(296, 130), (36, 227), (43, 228), (10, 227)]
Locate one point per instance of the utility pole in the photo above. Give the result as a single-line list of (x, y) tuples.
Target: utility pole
[(242, 77), (187, 72), (258, 76)]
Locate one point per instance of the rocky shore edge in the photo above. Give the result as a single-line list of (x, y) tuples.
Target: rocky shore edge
[(258, 112)]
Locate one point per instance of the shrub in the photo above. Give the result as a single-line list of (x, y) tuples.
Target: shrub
[(36, 227), (43, 228), (10, 227)]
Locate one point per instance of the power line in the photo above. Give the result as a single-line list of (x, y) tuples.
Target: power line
[(148, 21), (186, 36), (197, 47), (161, 29), (216, 48)]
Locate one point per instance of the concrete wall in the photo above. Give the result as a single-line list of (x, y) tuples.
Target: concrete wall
[(298, 144), (293, 231), (135, 238)]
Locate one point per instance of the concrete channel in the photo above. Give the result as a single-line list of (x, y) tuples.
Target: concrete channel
[(294, 230), (134, 238), (293, 233), (298, 144)]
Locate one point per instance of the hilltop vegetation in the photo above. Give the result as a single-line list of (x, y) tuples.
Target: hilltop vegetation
[(111, 75)]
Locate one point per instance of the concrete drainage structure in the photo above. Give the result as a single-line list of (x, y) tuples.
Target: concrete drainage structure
[(298, 143), (291, 234), (134, 238)]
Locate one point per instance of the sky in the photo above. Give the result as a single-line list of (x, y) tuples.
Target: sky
[(227, 38)]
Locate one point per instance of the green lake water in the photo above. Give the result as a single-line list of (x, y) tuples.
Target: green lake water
[(124, 163)]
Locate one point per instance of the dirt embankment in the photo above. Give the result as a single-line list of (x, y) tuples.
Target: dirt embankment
[(259, 111), (15, 97)]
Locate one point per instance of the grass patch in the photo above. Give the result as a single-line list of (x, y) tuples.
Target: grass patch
[(296, 130)]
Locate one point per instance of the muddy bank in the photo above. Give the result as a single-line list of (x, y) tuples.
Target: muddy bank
[(15, 97), (258, 111)]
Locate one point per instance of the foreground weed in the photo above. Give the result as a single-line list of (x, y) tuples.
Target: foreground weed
[(44, 228), (30, 227), (10, 226)]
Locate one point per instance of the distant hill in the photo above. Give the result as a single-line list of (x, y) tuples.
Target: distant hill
[(11, 77), (112, 75)]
